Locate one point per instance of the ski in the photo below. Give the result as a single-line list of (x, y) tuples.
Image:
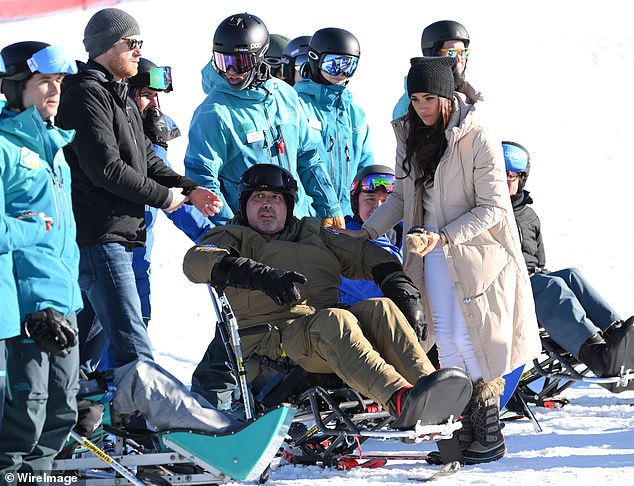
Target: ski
[(398, 456), (445, 471)]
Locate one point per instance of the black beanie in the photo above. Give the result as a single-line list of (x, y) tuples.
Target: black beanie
[(432, 75), (105, 28)]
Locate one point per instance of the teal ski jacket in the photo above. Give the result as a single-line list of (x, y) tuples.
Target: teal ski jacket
[(233, 130), (343, 131), (36, 178)]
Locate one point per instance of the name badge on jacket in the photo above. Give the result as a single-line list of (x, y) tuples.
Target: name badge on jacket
[(29, 159), (255, 136)]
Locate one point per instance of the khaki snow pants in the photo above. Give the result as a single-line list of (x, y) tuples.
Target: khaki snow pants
[(370, 346)]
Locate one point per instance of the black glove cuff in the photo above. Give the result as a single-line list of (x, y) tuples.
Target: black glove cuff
[(220, 272), (382, 270)]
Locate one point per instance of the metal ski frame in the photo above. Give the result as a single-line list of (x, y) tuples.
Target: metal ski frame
[(227, 325), (336, 428)]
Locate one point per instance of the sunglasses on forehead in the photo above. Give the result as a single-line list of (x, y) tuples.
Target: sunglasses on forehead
[(132, 44)]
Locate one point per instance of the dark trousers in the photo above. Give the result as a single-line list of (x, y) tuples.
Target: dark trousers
[(213, 379), (40, 405)]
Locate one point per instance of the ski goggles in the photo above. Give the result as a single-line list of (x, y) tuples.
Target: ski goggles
[(273, 61), (515, 157), (3, 68), (453, 52), (160, 78), (241, 63), (375, 182), (268, 177), (336, 64), (300, 61), (52, 60)]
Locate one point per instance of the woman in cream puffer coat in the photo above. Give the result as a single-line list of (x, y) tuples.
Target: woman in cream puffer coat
[(450, 180)]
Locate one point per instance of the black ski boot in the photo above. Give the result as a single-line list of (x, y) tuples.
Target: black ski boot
[(431, 400), (488, 442), (606, 357), (464, 436)]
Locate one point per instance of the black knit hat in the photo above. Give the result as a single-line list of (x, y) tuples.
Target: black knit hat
[(432, 75), (105, 28)]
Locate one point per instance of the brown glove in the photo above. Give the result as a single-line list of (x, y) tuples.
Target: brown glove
[(417, 239), (335, 221)]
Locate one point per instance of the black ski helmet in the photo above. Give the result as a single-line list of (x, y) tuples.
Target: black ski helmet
[(355, 187), (15, 58), (142, 78), (517, 159), (267, 177), (295, 48), (273, 56), (435, 35), (330, 40), (242, 34)]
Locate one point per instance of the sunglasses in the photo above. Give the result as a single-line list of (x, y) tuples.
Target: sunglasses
[(336, 64), (512, 176), (375, 182), (453, 52), (132, 44), (52, 60), (241, 63)]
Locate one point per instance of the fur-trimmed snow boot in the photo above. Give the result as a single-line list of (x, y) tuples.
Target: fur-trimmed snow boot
[(484, 416)]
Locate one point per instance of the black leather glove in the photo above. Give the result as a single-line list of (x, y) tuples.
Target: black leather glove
[(51, 331), (245, 273), (402, 291), (155, 127)]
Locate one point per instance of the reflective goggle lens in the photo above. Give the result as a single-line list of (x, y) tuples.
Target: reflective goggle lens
[(335, 64), (241, 63), (160, 77), (300, 61), (52, 60), (515, 158), (3, 68), (452, 52), (375, 182)]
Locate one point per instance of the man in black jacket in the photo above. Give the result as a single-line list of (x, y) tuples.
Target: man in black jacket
[(573, 313), (115, 172)]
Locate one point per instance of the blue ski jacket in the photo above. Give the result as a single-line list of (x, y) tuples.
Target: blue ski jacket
[(343, 131), (36, 178), (232, 130), (352, 291)]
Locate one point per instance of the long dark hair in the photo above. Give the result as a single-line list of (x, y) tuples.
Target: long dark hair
[(425, 145)]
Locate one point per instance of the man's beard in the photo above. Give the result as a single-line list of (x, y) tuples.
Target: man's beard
[(124, 69)]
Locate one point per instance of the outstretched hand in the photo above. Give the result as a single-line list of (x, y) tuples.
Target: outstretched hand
[(206, 201)]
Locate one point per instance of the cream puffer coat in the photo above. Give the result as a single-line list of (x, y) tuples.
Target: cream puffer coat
[(474, 210)]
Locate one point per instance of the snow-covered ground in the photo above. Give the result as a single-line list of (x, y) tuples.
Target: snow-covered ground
[(556, 79)]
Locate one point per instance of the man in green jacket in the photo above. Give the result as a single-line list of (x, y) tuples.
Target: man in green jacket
[(372, 345)]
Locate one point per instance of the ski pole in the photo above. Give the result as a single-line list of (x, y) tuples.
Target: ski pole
[(103, 456), (225, 314)]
